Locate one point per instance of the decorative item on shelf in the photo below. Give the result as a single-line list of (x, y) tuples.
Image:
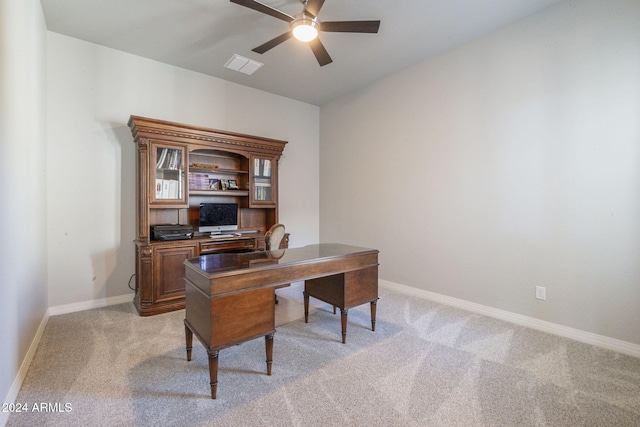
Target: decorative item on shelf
[(224, 184), (233, 185), (214, 184), (204, 166)]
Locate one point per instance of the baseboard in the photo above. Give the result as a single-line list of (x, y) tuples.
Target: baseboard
[(88, 305), (608, 343)]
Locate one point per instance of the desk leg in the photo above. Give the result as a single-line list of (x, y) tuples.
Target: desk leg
[(343, 320), (374, 305), (188, 335), (269, 349), (306, 307), (213, 372)]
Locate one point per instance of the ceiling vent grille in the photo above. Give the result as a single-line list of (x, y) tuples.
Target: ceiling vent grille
[(242, 64)]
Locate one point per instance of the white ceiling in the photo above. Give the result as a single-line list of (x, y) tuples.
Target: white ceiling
[(201, 35)]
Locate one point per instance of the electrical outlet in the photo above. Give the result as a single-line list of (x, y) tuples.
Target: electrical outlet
[(541, 292)]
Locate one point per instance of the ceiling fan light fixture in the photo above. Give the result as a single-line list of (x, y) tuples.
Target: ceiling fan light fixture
[(304, 28)]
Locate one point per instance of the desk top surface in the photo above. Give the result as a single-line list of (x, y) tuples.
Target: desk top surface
[(225, 262)]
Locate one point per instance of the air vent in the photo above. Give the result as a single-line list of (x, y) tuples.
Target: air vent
[(242, 64)]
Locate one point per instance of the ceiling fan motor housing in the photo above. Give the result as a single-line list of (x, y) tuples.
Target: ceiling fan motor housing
[(305, 28)]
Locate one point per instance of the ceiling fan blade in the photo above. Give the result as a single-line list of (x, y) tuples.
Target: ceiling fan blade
[(313, 7), (320, 52), (350, 26), (273, 43), (260, 7)]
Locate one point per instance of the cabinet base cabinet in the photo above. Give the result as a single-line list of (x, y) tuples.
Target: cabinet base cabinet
[(160, 285)]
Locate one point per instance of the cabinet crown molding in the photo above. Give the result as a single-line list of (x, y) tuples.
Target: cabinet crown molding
[(144, 127)]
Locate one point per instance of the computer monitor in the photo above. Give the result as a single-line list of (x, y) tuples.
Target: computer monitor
[(218, 217)]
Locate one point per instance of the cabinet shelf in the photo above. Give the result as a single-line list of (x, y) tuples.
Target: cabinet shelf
[(219, 171), (219, 193)]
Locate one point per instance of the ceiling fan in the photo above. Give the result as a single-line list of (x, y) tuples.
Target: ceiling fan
[(306, 25)]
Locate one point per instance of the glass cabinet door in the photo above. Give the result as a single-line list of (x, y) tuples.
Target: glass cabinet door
[(263, 176), (168, 183)]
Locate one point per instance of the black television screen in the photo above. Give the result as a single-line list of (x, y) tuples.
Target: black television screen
[(217, 217)]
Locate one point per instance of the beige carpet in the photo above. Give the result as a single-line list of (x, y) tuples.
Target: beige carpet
[(425, 365)]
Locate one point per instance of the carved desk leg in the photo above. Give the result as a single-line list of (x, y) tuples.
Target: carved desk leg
[(306, 306), (269, 350), (374, 305), (188, 334), (343, 321), (213, 371)]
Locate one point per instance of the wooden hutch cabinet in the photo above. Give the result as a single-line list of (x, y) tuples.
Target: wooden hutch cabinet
[(179, 167)]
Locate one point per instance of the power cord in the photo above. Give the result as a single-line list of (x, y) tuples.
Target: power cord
[(129, 284)]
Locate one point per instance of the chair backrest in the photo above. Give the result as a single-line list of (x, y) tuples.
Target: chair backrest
[(274, 236)]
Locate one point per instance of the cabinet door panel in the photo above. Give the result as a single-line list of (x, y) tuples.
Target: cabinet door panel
[(167, 183), (168, 270), (264, 178)]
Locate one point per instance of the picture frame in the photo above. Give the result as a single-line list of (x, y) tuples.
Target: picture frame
[(224, 184), (214, 184), (233, 185)]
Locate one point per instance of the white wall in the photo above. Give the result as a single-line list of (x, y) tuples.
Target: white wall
[(511, 162), (91, 92), (23, 191)]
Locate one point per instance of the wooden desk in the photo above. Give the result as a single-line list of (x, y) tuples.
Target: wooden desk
[(230, 297)]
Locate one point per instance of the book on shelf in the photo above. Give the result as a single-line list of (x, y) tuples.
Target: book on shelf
[(262, 167), (169, 158), (174, 189), (263, 192), (159, 188), (161, 158), (200, 181), (168, 189)]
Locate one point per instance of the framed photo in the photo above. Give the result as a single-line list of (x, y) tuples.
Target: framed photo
[(233, 185), (224, 184), (214, 184)]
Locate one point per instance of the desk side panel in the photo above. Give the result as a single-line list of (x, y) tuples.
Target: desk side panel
[(197, 312), (239, 316), (361, 286)]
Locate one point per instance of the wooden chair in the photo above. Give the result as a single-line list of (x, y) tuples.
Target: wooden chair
[(272, 238)]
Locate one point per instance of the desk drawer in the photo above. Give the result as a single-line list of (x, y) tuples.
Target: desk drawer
[(236, 245)]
